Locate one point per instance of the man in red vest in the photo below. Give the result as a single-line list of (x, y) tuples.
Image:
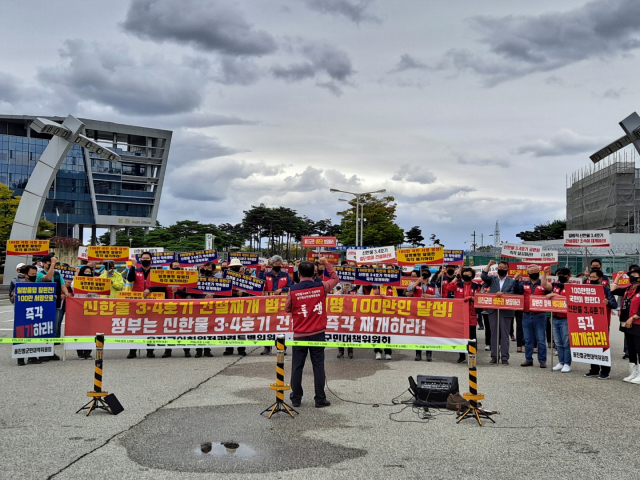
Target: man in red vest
[(276, 281), (306, 303)]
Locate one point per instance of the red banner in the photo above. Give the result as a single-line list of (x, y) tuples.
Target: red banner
[(622, 281), (521, 268), (316, 242), (588, 324), (333, 258), (540, 303), (358, 319), (503, 302)]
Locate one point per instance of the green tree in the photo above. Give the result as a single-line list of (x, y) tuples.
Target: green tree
[(414, 236), (380, 228), (435, 241), (545, 231)]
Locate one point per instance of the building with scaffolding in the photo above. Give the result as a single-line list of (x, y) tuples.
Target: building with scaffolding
[(604, 196)]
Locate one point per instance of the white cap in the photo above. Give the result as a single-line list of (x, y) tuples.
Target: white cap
[(19, 266)]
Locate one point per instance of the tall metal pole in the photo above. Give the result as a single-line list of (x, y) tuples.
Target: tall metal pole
[(357, 213), (362, 225)]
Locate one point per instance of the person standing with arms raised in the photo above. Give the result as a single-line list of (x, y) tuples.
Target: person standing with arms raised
[(306, 303), (499, 285)]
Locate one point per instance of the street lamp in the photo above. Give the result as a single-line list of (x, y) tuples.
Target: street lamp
[(358, 220)]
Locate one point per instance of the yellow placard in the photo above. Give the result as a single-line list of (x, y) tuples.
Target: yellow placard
[(163, 278), (415, 256), (97, 285), (27, 247), (101, 254)]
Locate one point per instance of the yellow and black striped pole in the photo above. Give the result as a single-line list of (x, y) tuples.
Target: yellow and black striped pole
[(97, 394), (473, 396), (280, 387)]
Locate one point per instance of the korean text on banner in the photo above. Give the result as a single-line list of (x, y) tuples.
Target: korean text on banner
[(95, 285), (376, 255), (426, 256), (101, 254), (313, 242), (140, 295), (504, 302), (27, 247), (67, 273), (588, 324), (190, 259), (587, 238), (34, 317), (522, 267), (212, 286), (540, 303), (332, 257), (345, 274), (521, 252), (161, 259), (377, 276), (440, 323), (166, 278), (622, 281), (245, 283), (246, 259), (453, 257)]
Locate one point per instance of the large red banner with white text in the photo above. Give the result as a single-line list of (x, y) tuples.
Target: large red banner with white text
[(357, 319)]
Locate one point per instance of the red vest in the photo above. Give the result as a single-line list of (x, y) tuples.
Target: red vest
[(308, 311), (282, 283), (140, 284), (429, 290), (559, 289), (527, 294)]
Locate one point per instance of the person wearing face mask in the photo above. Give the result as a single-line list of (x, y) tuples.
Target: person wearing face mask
[(499, 285), (534, 324), (224, 266), (18, 279), (610, 303), (48, 274), (559, 323), (117, 282), (140, 278), (423, 287), (596, 264), (445, 277), (277, 282), (630, 323), (173, 293), (465, 288), (27, 274)]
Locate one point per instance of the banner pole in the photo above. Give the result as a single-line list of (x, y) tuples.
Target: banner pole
[(498, 356)]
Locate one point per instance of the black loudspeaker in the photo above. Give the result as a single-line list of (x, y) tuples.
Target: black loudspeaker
[(113, 403), (433, 390)]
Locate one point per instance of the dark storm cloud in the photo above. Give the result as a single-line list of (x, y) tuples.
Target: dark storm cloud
[(111, 76), (237, 71), (565, 142), (322, 59), (408, 173), (407, 62), (210, 25), (188, 146), (356, 11), (520, 45)]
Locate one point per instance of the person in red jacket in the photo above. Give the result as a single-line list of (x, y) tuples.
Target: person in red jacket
[(465, 288), (306, 303), (276, 281)]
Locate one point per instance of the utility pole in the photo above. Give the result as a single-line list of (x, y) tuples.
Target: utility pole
[(474, 241)]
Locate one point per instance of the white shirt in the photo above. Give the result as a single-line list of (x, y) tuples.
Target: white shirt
[(502, 282)]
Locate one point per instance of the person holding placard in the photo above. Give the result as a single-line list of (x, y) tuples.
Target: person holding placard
[(48, 274), (140, 278), (630, 325), (423, 287), (465, 288)]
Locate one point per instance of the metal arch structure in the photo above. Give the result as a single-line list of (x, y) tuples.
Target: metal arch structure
[(25, 223)]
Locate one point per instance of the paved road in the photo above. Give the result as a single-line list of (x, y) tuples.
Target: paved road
[(551, 425)]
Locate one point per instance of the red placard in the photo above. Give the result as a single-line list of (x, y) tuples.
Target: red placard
[(316, 242), (332, 258), (622, 281), (587, 316), (521, 268), (540, 303), (503, 302)]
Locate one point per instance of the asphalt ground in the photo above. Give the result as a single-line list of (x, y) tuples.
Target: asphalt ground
[(550, 424)]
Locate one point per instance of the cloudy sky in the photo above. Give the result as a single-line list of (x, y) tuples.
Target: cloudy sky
[(467, 112)]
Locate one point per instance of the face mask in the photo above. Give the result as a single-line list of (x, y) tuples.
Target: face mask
[(450, 271), (634, 279), (595, 267), (534, 276), (320, 272), (145, 263), (208, 273), (234, 269), (563, 279), (32, 278), (466, 278), (594, 282), (276, 269), (425, 276), (502, 273)]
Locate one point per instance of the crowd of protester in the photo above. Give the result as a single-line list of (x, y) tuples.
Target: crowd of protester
[(540, 334)]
